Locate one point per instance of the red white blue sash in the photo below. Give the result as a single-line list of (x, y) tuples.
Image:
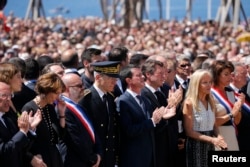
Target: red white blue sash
[(80, 114), (246, 105), (226, 103), (222, 100)]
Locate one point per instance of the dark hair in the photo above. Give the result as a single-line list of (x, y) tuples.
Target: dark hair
[(43, 61), (118, 54), (218, 66), (137, 58), (32, 69), (20, 63), (126, 73), (87, 54)]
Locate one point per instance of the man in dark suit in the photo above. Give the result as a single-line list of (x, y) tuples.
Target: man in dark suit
[(83, 146), (137, 126), (15, 141), (239, 84), (183, 70), (166, 147), (100, 105)]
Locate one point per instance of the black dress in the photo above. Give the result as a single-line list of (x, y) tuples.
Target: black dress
[(48, 132)]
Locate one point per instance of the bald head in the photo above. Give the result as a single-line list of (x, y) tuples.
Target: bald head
[(70, 79), (69, 58), (74, 86)]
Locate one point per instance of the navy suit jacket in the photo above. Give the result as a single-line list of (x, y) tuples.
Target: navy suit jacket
[(81, 150), (137, 133), (13, 145)]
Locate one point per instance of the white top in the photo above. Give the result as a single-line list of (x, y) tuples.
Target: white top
[(203, 120)]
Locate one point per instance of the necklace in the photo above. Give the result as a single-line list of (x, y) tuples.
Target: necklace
[(46, 118)]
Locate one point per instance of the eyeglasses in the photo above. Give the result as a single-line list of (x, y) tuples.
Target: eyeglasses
[(6, 96), (78, 86), (185, 65)]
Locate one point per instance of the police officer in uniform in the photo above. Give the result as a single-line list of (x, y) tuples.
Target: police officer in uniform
[(101, 107)]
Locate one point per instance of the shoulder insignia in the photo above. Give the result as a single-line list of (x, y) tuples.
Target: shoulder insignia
[(86, 92)]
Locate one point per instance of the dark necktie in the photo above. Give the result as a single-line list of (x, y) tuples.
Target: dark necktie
[(142, 104), (105, 100), (3, 121), (185, 85), (161, 98)]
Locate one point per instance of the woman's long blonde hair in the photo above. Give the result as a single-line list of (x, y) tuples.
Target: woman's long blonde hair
[(193, 89)]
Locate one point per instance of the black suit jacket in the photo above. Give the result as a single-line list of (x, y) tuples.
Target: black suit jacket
[(81, 150), (24, 96), (105, 123), (165, 142), (244, 125), (13, 145), (137, 133)]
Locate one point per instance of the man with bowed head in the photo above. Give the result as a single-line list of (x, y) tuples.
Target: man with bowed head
[(100, 106)]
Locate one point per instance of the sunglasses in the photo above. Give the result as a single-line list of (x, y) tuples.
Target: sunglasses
[(185, 65)]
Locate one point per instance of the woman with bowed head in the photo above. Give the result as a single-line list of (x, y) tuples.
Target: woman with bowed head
[(48, 88), (199, 120)]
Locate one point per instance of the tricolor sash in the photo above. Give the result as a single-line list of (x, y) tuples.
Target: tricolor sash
[(222, 100), (226, 103), (80, 114), (246, 105)]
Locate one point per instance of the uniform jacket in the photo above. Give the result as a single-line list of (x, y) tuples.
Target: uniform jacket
[(105, 124)]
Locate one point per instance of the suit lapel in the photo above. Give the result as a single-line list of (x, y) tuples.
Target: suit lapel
[(151, 97), (134, 103)]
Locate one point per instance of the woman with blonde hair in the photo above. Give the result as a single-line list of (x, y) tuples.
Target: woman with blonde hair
[(199, 120)]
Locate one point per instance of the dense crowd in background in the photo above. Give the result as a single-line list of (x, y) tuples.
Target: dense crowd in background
[(86, 92), (51, 36)]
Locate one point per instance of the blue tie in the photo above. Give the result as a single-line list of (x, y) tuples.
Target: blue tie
[(142, 104), (140, 99)]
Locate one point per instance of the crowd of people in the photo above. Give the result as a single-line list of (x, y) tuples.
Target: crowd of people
[(85, 92)]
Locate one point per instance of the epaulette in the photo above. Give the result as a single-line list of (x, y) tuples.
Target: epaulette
[(111, 94), (86, 92)]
